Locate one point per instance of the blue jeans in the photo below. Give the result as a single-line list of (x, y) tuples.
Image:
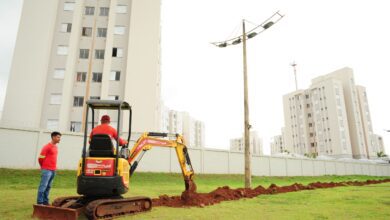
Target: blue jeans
[(47, 177)]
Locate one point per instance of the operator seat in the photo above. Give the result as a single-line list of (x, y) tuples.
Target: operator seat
[(101, 146)]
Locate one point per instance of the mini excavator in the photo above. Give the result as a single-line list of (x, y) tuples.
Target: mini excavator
[(105, 169)]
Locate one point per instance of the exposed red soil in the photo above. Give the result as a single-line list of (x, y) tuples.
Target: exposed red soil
[(224, 193)]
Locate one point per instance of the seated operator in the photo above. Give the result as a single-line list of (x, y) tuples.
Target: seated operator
[(105, 128)]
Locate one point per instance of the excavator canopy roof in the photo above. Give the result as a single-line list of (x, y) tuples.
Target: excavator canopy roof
[(108, 104)]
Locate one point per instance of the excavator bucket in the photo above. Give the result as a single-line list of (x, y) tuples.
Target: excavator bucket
[(189, 185), (54, 213)]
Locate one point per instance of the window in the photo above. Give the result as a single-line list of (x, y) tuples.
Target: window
[(84, 53), (101, 32), (94, 97), (75, 126), (119, 30), (52, 124), (89, 10), (99, 54), (113, 97), (87, 32), (59, 73), (66, 27), (55, 99), (97, 77), (117, 52), (78, 101), (121, 9), (310, 125), (115, 75), (104, 11), (68, 6), (81, 76), (62, 50)]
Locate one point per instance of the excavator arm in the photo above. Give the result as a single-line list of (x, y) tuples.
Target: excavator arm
[(148, 140)]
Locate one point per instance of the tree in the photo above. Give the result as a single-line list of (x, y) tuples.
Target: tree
[(381, 154)]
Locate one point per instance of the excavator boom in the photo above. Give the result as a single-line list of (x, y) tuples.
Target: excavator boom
[(153, 139)]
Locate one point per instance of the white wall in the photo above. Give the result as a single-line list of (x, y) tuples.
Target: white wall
[(19, 148)]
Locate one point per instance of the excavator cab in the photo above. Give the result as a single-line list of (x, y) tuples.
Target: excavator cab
[(102, 172)]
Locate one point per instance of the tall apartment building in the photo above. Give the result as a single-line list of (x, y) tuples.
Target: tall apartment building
[(330, 118), (193, 130), (69, 51), (255, 144), (370, 146)]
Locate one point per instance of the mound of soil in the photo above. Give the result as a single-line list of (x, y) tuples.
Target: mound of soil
[(224, 193)]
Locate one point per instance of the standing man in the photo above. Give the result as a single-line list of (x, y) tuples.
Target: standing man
[(48, 162)]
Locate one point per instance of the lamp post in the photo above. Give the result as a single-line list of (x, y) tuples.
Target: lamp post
[(234, 41), (294, 65)]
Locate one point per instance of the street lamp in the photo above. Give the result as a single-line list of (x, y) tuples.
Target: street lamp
[(294, 65), (234, 41)]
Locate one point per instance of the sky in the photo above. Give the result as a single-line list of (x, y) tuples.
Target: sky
[(207, 81)]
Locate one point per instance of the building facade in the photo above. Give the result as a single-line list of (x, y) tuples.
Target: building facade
[(278, 145), (255, 144), (192, 130), (371, 147), (330, 118), (75, 50)]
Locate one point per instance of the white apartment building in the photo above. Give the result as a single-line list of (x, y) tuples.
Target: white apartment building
[(192, 130), (330, 118), (296, 117), (255, 144), (69, 51), (277, 144), (371, 147)]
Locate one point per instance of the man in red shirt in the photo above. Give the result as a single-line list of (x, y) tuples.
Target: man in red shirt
[(105, 128), (48, 163)]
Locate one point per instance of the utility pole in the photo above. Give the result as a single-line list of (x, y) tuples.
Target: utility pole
[(234, 41), (89, 73), (295, 74), (248, 177)]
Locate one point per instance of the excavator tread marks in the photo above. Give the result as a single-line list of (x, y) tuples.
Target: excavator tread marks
[(113, 208)]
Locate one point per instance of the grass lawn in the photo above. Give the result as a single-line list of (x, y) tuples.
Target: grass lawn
[(18, 193)]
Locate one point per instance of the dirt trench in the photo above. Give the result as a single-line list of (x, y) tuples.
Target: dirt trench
[(224, 193)]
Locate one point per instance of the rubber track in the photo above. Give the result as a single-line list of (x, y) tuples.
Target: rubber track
[(90, 210)]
